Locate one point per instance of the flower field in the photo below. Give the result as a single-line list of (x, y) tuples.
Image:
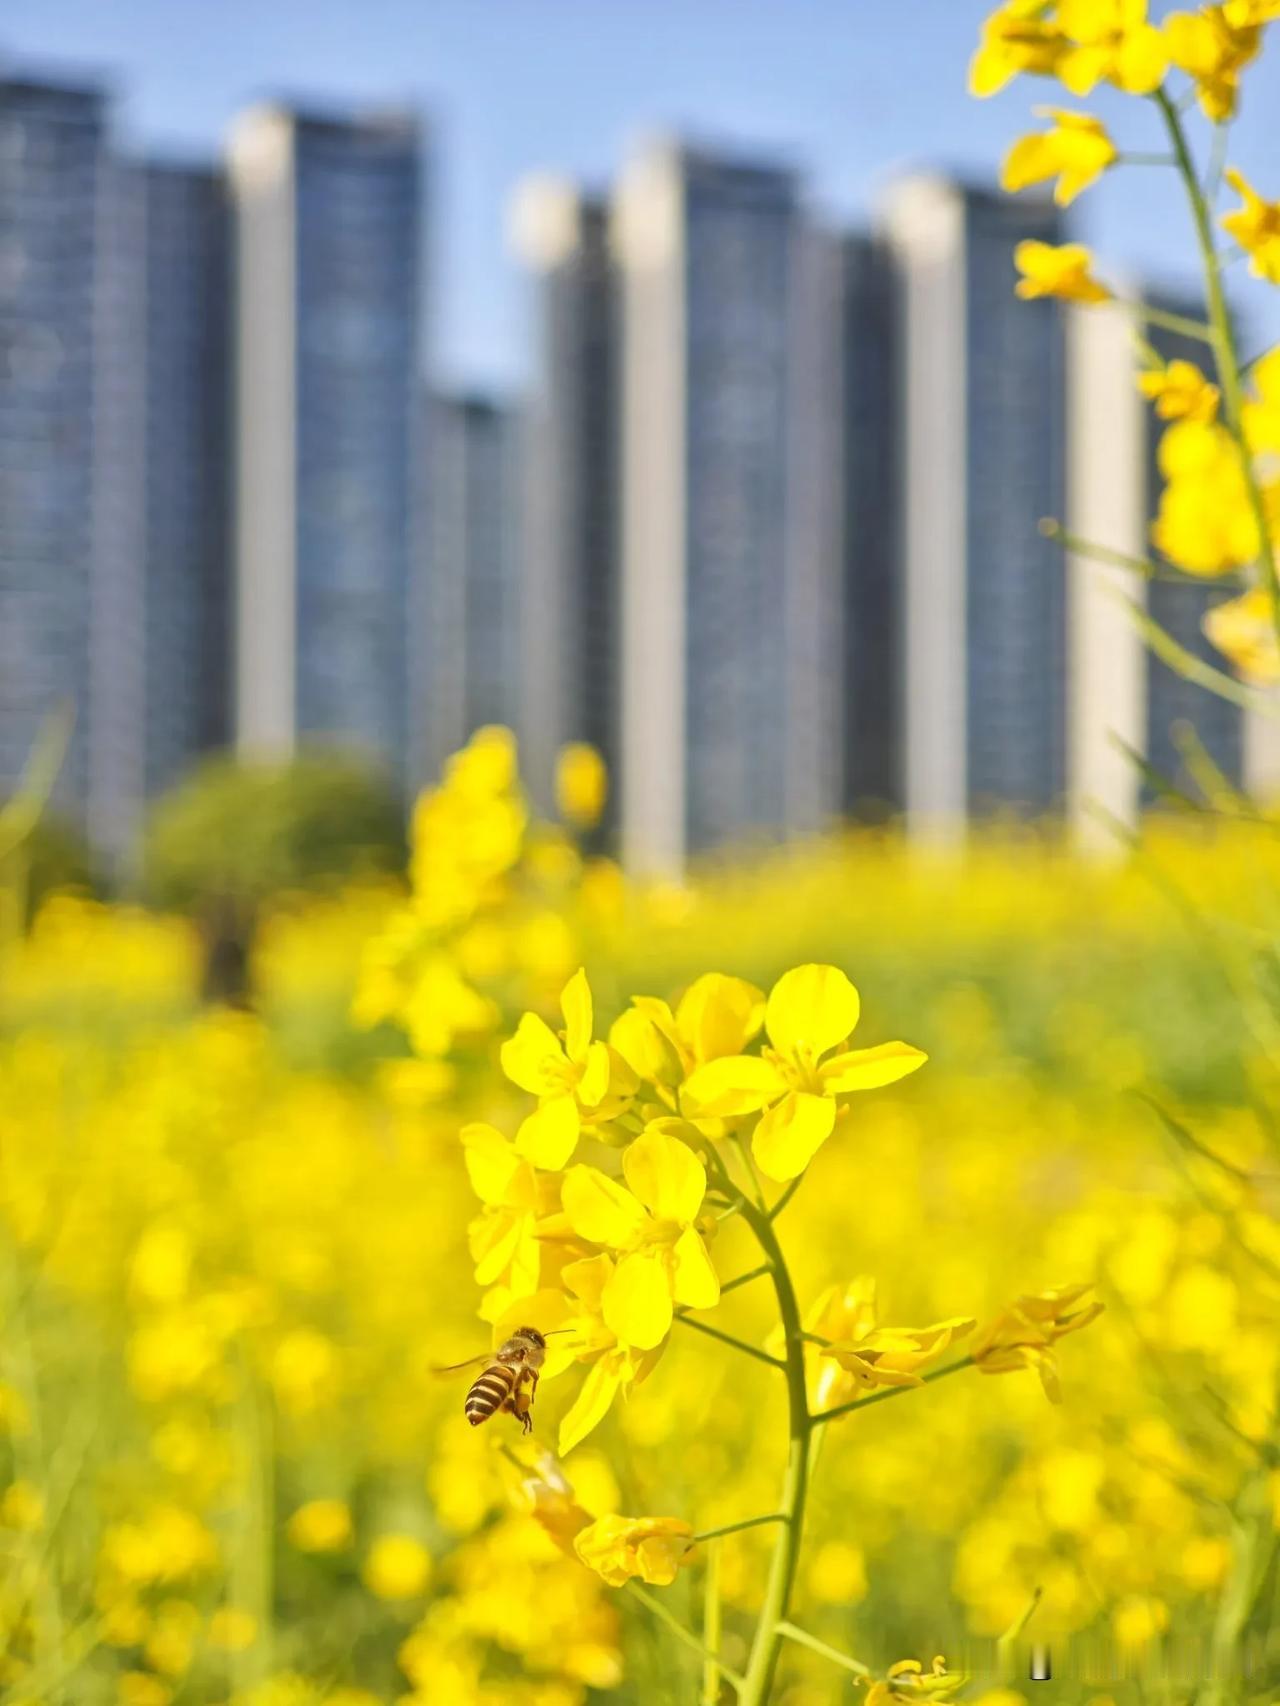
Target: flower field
[(236, 1247)]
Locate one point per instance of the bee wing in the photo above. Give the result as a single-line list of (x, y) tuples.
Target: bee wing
[(468, 1362)]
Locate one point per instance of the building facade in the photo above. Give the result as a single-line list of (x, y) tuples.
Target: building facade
[(571, 657), (730, 654), (472, 665), (983, 446), (327, 284), (871, 726), (53, 170)]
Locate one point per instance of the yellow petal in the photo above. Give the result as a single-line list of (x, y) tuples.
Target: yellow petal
[(790, 1134), (1141, 61), (550, 1134), (719, 1015), (869, 1068), (694, 1281), (646, 1047), (490, 1160), (666, 1175), (594, 1083), (533, 1058), (1030, 160), (587, 1279), (600, 1210), (575, 1004), (494, 1240), (591, 1405), (811, 1008), (637, 1301), (738, 1084)]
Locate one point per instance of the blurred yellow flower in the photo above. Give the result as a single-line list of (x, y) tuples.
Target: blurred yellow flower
[(232, 1629), (811, 1011), (397, 1567), (1213, 46), (1255, 225), (1204, 522), (1015, 38), (1138, 1619), (138, 1688), (1261, 414), (1022, 1336), (1244, 631), (22, 1506), (650, 1225), (620, 1547), (907, 1680), (1076, 151), (582, 784), (321, 1525), (1180, 392), (1061, 269), (304, 1371)]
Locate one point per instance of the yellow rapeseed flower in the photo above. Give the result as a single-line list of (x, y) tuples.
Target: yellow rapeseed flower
[(1022, 1336), (907, 1680), (1204, 522), (662, 1260), (568, 1076), (1061, 269), (1213, 46), (232, 1629), (1111, 41), (892, 1356), (1076, 151), (1180, 392), (1243, 630), (716, 1016), (796, 1081), (1256, 227), (620, 1547), (1015, 38)]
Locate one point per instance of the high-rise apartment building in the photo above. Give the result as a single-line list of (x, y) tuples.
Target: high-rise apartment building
[(871, 688), (983, 442), (327, 216), (569, 537), (472, 603), (730, 569), (53, 165), (1124, 700)]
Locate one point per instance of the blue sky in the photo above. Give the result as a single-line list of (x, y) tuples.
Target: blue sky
[(848, 90)]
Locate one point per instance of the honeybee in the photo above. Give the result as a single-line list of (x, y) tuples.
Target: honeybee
[(500, 1384)]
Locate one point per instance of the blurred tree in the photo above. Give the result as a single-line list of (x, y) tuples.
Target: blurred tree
[(234, 835)]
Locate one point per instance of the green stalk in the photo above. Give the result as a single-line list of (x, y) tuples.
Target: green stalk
[(711, 1630), (1224, 344), (786, 1552)]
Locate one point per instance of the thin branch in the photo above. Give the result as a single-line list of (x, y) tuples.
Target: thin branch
[(802, 1638), (1192, 668), (786, 1197), (745, 1279), (1199, 329), (655, 1605), (728, 1339), (890, 1392), (736, 1527)]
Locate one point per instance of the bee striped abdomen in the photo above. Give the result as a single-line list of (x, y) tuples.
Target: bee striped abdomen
[(490, 1391)]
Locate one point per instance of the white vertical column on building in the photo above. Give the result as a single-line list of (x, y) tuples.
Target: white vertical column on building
[(260, 164), (648, 234), (924, 223), (545, 230), (1107, 482), (814, 615)]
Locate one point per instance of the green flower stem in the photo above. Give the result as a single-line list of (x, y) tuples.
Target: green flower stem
[(786, 1552), (1224, 343), (887, 1392), (802, 1638), (786, 1197), (728, 1339), (744, 1279), (711, 1671), (655, 1605), (1007, 1645), (1171, 322), (737, 1527)]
